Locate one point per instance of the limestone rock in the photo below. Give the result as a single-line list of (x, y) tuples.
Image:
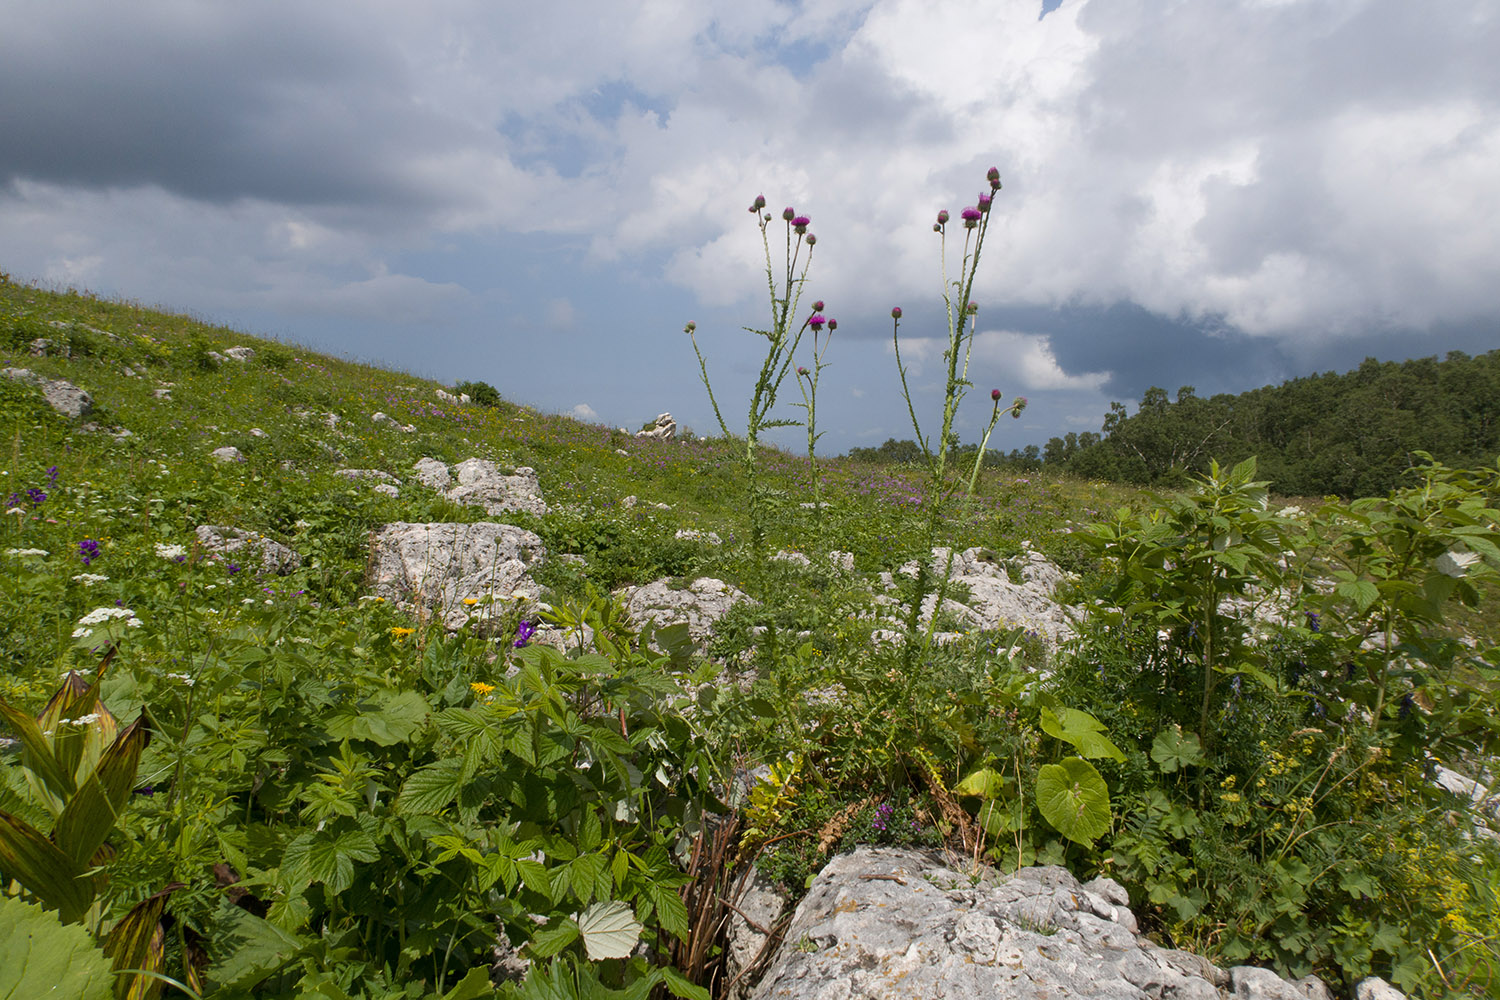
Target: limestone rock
[(701, 604), (757, 909), (41, 347), (694, 535), (440, 566), (481, 484), (1375, 988), (274, 557), (239, 353), (884, 923), (228, 453), (384, 477), (380, 418), (663, 428), (996, 602), (64, 397), (431, 472)]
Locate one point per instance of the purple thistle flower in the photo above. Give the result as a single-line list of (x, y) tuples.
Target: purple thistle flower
[(971, 217), (800, 223), (984, 203), (524, 632), (816, 321)]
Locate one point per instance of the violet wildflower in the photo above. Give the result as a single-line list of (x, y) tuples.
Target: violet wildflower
[(36, 496), (1313, 621), (524, 632), (52, 476), (88, 549), (971, 217), (233, 568), (816, 321)]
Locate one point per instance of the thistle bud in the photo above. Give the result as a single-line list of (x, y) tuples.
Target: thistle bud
[(995, 395), (818, 306), (943, 217), (1018, 406), (759, 203), (896, 313), (984, 203), (973, 308), (833, 325), (801, 370), (690, 327), (812, 240), (789, 213), (994, 178)]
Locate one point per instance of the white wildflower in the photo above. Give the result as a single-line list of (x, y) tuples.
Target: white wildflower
[(24, 553), (89, 579), (185, 678), (170, 551)]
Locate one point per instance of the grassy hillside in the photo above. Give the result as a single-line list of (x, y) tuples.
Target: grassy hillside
[(352, 800)]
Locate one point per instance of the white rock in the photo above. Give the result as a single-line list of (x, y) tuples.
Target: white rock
[(274, 557), (228, 453), (439, 566), (239, 353)]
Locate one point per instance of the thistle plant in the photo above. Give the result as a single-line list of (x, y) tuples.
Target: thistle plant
[(961, 311), (807, 381), (782, 339)]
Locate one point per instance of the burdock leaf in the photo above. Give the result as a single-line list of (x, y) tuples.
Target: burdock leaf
[(1074, 799)]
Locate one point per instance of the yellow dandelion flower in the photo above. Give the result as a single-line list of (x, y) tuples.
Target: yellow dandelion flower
[(471, 601), (481, 689)]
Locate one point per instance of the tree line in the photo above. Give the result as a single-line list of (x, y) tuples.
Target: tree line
[(1351, 434)]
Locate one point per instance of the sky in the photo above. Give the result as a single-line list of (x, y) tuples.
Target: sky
[(1216, 193)]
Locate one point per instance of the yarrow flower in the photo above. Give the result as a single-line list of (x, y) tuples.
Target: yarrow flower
[(166, 551), (89, 579), (23, 553), (103, 616), (186, 679)]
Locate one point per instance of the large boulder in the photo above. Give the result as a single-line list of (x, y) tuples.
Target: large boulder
[(457, 571), (997, 602), (663, 428), (701, 604), (64, 397), (890, 924)]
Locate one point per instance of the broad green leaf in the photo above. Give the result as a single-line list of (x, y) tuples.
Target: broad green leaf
[(394, 722), (1362, 592), (95, 807), (986, 783), (550, 940), (1174, 750), (678, 984), (37, 753), (39, 957), (609, 930), (248, 948), (1081, 731), (474, 986), (328, 855), (1074, 799), (432, 788), (137, 943), (31, 859)]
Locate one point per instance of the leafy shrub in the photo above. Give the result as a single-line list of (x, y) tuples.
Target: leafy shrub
[(480, 392)]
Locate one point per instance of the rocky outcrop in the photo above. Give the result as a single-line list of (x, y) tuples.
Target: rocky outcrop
[(274, 557), (64, 397), (477, 482), (663, 428), (701, 604), (228, 453), (457, 571), (892, 924)]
